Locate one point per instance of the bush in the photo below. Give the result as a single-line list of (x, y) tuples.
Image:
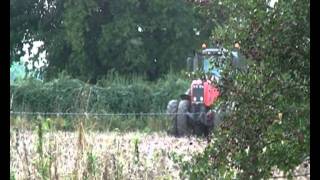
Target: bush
[(113, 94), (269, 127)]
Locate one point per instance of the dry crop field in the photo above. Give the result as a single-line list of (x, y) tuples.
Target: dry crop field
[(101, 155), (93, 155)]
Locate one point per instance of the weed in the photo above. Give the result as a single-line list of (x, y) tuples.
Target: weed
[(44, 162), (136, 150), (118, 168), (26, 159), (80, 150), (92, 169)]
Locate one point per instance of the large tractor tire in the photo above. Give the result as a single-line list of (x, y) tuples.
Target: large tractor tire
[(182, 118), (172, 108)]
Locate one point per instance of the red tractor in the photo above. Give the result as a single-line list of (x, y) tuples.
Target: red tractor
[(192, 114)]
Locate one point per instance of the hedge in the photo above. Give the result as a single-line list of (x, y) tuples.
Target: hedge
[(114, 94)]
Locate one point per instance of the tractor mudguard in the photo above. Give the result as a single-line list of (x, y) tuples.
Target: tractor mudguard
[(211, 93)]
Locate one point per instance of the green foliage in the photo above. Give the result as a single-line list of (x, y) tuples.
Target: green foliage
[(114, 94), (136, 149), (269, 125), (91, 165), (23, 21), (89, 38), (44, 161)]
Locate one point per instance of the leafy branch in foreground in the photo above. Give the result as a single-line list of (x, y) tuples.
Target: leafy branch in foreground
[(268, 126)]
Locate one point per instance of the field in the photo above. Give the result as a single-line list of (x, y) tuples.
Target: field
[(108, 155), (93, 155), (44, 152)]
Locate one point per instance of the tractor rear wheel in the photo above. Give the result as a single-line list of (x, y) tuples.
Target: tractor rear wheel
[(182, 118), (172, 108)]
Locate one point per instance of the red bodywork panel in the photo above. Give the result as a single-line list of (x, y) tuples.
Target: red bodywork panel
[(210, 92)]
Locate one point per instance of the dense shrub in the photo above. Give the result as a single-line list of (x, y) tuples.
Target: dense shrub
[(114, 94), (268, 127)]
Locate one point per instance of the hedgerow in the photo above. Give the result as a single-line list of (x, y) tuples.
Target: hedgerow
[(114, 94)]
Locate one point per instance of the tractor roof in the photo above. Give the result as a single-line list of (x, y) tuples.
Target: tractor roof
[(213, 51)]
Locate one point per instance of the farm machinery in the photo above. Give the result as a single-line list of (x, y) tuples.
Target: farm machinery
[(192, 113)]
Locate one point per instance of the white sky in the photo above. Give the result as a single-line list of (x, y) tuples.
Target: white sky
[(272, 2), (34, 50)]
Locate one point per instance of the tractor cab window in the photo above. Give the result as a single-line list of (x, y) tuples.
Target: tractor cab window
[(206, 65), (203, 60), (211, 55)]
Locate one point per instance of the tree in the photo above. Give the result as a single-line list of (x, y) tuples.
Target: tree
[(23, 22), (269, 126), (89, 38)]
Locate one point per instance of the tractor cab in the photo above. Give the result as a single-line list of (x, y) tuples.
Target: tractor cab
[(203, 60), (202, 89)]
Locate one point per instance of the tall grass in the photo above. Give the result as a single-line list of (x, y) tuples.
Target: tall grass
[(98, 124)]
